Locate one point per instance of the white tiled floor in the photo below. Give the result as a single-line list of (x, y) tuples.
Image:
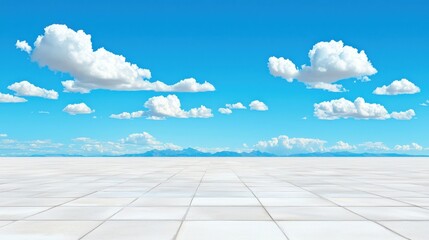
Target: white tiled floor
[(333, 230), (135, 230), (214, 198)]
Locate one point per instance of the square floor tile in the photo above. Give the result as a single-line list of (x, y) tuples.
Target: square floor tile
[(18, 213), (135, 230), (334, 230), (311, 213), (153, 201), (225, 202), (422, 202), (227, 213), (99, 202), (33, 202), (367, 202), (47, 230), (415, 230), (392, 213), (76, 213), (151, 213), (296, 202), (230, 230), (224, 194)]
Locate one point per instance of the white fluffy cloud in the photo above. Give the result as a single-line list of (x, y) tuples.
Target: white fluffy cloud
[(237, 105), (359, 109), (147, 140), (23, 46), (25, 88), (161, 107), (3, 135), (7, 98), (225, 110), (286, 145), (65, 50), (407, 115), (229, 106), (397, 87), (143, 138), (329, 62), (127, 115), (374, 146), (186, 85), (258, 106), (78, 108), (342, 146), (409, 147)]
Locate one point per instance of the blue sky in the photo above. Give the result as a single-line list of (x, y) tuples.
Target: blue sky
[(226, 44)]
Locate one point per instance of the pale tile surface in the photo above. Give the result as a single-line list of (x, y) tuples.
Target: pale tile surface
[(312, 213), (230, 230), (76, 213), (151, 213), (214, 198), (17, 213), (392, 213), (417, 230), (135, 230), (332, 230), (227, 213), (47, 230)]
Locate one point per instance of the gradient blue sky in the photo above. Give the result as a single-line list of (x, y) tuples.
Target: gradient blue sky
[(226, 43)]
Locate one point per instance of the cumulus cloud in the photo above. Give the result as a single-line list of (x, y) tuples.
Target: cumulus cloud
[(25, 88), (397, 87), (23, 46), (329, 62), (7, 98), (237, 105), (407, 115), (11, 147), (78, 108), (229, 106), (127, 115), (225, 110), (374, 146), (133, 143), (65, 50), (3, 135), (161, 107), (359, 109), (146, 139), (425, 103), (342, 146), (286, 145), (143, 138), (187, 85), (409, 147), (258, 106)]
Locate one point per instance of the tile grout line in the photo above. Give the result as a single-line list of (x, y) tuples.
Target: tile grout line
[(272, 219), (347, 209), (189, 206), (121, 208), (49, 208)]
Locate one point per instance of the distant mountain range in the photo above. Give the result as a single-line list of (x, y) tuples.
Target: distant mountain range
[(191, 152)]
